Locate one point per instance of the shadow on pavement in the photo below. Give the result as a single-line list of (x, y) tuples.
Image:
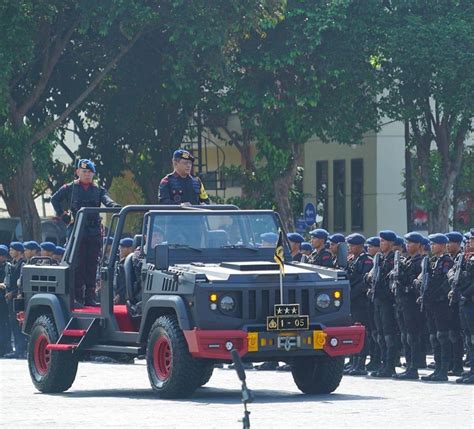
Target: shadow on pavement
[(220, 396)]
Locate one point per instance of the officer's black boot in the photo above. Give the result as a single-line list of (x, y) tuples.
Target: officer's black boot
[(89, 300), (458, 351), (413, 348), (374, 352), (445, 345), (79, 298), (469, 377), (359, 369), (388, 369)]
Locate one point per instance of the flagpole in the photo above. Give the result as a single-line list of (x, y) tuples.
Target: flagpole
[(281, 287)]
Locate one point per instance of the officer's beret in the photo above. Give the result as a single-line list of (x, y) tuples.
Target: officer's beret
[(59, 250), (86, 164), (305, 246), (3, 250), (108, 240), (319, 233), (399, 241), (355, 239), (269, 237), (182, 154), (438, 238), (425, 241), (337, 238), (472, 232), (373, 241), (455, 237), (414, 237), (48, 246), (126, 242), (295, 237), (31, 245), (388, 235), (16, 245)]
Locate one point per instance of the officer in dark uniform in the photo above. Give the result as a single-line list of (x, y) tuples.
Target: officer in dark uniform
[(58, 253), (306, 250), (384, 307), (5, 331), (32, 249), (83, 192), (120, 288), (409, 318), (180, 186), (334, 241), (360, 263), (464, 295), (373, 247), (320, 256), (17, 254), (295, 240), (435, 301), (453, 247)]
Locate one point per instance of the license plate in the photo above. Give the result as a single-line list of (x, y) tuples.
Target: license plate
[(289, 342), (287, 323)]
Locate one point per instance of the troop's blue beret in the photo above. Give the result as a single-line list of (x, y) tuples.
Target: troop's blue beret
[(182, 154), (59, 250), (355, 239), (269, 237), (388, 235), (414, 237), (472, 232), (295, 237), (399, 241), (86, 164), (16, 245), (108, 240), (305, 246), (48, 246), (438, 238), (373, 241), (454, 237), (3, 250), (337, 238), (425, 241), (31, 245), (126, 242), (319, 233)]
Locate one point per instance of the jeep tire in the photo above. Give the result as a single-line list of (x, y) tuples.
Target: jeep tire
[(318, 375), (206, 373), (51, 371), (172, 371)]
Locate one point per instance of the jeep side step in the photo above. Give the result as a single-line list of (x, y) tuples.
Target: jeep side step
[(106, 348), (79, 333)]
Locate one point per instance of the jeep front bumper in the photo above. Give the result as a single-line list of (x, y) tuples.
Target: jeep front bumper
[(257, 346)]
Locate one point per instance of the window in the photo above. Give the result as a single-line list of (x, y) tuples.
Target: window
[(339, 180), (357, 194), (322, 192)]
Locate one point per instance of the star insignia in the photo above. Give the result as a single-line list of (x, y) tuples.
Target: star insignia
[(287, 310), (294, 311), (279, 311)]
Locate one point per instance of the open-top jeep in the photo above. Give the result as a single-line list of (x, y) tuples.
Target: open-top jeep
[(200, 283)]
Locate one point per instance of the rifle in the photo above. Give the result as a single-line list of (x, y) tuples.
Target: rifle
[(425, 275), (457, 276), (247, 395), (375, 275), (395, 274)]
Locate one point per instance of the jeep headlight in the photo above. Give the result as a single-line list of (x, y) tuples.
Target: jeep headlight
[(323, 300), (227, 303)]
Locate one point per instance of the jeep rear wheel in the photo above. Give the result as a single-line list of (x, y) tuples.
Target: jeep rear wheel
[(172, 371), (321, 374), (206, 374), (51, 371)]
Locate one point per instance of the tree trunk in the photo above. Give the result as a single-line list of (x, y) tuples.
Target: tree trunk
[(282, 187), (438, 215), (408, 177), (22, 196)]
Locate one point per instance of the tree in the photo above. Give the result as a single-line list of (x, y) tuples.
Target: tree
[(35, 36), (425, 63)]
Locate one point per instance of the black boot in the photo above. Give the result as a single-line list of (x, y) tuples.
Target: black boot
[(409, 374), (89, 300), (469, 379)]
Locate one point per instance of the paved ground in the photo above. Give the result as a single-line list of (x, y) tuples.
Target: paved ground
[(106, 395)]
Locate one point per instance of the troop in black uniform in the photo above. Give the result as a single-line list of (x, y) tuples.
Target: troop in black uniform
[(334, 241), (360, 264), (5, 331), (180, 186), (83, 192), (320, 255), (295, 240), (120, 292)]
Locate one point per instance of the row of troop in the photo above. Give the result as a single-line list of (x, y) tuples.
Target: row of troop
[(404, 292), (12, 259)]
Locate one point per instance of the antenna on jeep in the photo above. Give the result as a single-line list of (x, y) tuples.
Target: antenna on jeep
[(247, 395)]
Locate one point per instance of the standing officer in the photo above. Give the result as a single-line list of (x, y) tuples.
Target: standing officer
[(373, 246), (58, 253), (32, 249), (295, 240), (5, 331), (465, 297), (181, 187), (435, 301), (410, 318), (384, 307), (17, 254), (359, 265), (320, 256), (306, 250), (453, 247), (83, 192), (334, 241)]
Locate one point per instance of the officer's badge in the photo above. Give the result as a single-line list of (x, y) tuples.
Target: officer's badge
[(185, 155), (83, 165)]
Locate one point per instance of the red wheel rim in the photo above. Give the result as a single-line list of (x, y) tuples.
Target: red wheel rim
[(162, 358), (42, 355)]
